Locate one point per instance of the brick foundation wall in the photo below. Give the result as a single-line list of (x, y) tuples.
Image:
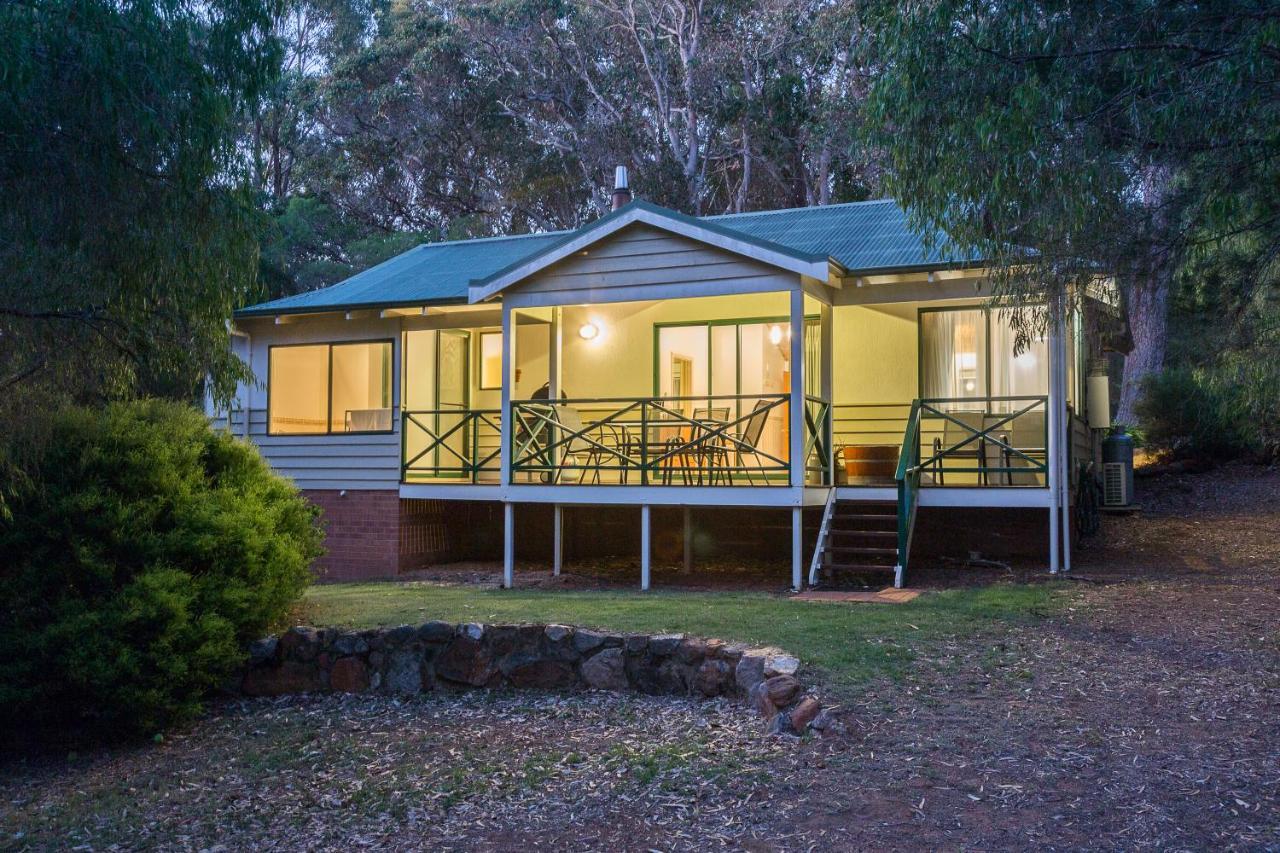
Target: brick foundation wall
[(362, 533)]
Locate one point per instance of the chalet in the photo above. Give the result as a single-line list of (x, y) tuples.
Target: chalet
[(817, 386)]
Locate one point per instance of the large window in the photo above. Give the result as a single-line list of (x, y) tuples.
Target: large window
[(317, 389), (970, 353)]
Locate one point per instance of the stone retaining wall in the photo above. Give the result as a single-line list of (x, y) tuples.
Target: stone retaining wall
[(439, 655)]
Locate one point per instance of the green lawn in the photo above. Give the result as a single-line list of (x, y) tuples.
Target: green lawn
[(847, 644)]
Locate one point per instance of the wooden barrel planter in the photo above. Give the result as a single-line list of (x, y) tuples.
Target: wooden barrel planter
[(870, 462)]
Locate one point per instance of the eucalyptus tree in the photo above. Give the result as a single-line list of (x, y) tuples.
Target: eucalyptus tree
[(126, 237), (1067, 138)]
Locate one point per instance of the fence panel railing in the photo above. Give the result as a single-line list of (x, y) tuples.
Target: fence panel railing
[(971, 441), (451, 445), (708, 440)]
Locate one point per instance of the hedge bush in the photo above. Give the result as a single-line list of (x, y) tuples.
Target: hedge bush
[(142, 551), (1229, 411)]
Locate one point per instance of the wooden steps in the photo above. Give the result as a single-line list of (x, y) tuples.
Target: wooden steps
[(860, 546)]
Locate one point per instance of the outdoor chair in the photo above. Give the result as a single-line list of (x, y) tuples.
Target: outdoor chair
[(1024, 434), (710, 454), (580, 453), (954, 433), (746, 443)]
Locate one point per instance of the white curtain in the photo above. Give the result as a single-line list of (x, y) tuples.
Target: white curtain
[(953, 355), (1021, 374)]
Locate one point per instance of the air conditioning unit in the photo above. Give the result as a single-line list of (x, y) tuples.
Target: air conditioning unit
[(1116, 484)]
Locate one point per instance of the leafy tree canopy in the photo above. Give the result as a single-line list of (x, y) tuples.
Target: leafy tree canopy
[(1121, 135), (125, 238)]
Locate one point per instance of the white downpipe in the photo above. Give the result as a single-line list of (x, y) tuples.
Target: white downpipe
[(645, 550), (557, 537), (508, 545), (1052, 419), (1064, 478), (797, 549)]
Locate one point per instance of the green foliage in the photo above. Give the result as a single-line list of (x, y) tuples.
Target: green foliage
[(1067, 139), (1220, 396), (127, 235), (144, 552)]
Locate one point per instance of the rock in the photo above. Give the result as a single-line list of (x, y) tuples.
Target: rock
[(714, 677), (349, 675), (636, 643), (781, 689), (471, 630), (512, 639), (732, 652), (377, 659), (675, 678), (436, 632), (261, 651), (827, 724), (662, 645), (780, 664), (606, 670), (300, 644), (399, 635), (288, 677), (749, 672), (804, 713), (349, 644), (542, 675), (558, 633), (692, 650), (780, 726), (585, 641), (404, 673), (466, 661), (759, 699)]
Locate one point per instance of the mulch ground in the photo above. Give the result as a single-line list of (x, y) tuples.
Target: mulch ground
[(1143, 714)]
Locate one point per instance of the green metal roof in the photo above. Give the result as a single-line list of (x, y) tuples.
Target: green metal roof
[(863, 237)]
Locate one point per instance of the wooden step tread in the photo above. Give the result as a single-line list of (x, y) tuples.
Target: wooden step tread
[(858, 567), (863, 516), (862, 549)]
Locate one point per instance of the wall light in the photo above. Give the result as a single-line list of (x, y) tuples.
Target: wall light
[(775, 335), (588, 331)]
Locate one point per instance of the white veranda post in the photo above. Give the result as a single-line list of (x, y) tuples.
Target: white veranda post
[(506, 431), (797, 432)]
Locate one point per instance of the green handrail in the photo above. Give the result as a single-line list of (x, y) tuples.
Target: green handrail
[(439, 458), (908, 479)]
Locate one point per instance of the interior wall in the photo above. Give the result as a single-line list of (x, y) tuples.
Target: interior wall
[(618, 362)]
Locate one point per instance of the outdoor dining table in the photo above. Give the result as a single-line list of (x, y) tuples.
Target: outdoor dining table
[(666, 438)]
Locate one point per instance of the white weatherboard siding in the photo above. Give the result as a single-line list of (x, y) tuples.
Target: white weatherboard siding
[(328, 461), (642, 262), (337, 461)]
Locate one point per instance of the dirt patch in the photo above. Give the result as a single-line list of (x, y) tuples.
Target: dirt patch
[(1143, 714)]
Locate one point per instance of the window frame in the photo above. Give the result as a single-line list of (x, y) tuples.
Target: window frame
[(809, 319), (938, 309), (328, 384), (480, 336), (986, 316)]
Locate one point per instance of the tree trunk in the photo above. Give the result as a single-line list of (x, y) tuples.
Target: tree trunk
[(1148, 317), (1148, 308)]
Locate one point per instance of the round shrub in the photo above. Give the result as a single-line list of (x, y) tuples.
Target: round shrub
[(141, 551)]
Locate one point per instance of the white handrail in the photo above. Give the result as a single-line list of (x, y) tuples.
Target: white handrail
[(822, 536)]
